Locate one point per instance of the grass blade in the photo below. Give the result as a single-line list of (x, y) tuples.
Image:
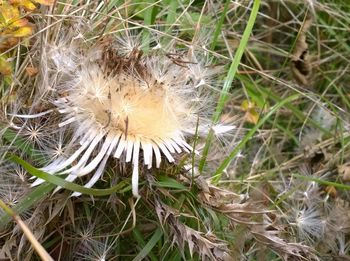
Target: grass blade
[(149, 246), (27, 232), (218, 173), (219, 25), (323, 182), (229, 78), (29, 200), (65, 184)]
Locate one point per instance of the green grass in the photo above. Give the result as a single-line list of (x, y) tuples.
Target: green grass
[(230, 76)]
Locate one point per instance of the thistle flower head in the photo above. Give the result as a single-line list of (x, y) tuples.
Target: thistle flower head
[(120, 103)]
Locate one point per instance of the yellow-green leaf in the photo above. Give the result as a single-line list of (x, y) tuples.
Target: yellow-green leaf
[(19, 23), (252, 116), (5, 66), (8, 14), (44, 2), (246, 105), (27, 4), (31, 70), (251, 112), (23, 31)]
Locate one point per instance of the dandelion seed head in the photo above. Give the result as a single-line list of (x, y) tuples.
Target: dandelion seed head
[(325, 119), (311, 226), (13, 183), (33, 132), (21, 173), (93, 250)]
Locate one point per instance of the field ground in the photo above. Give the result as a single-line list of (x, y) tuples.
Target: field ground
[(270, 127)]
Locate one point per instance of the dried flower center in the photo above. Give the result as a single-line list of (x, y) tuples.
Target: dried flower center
[(134, 106)]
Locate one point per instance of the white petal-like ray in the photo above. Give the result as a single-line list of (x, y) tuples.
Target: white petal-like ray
[(81, 133), (120, 148), (175, 145), (87, 153), (93, 164), (95, 177), (86, 136), (157, 154), (165, 151), (31, 116), (61, 100), (135, 171), (37, 182), (65, 110), (52, 165), (187, 145), (147, 152), (70, 120), (180, 142), (221, 128), (72, 158), (114, 143), (130, 143), (150, 154), (168, 145)]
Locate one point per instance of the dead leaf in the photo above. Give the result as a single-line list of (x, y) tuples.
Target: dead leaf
[(270, 237), (301, 64), (8, 42), (207, 245), (70, 209), (31, 70), (332, 191), (344, 171)]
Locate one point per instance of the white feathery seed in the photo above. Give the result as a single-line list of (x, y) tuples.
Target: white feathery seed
[(311, 226)]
